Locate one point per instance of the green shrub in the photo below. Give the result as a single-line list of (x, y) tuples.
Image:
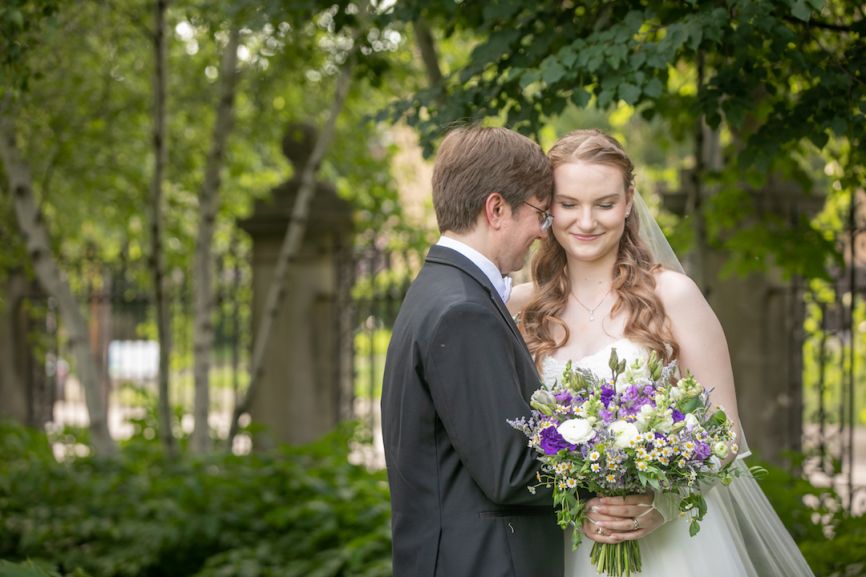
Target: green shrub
[(296, 511), (831, 540), (26, 569)]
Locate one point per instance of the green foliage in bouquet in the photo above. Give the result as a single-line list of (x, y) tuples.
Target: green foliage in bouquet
[(294, 512), (643, 427)]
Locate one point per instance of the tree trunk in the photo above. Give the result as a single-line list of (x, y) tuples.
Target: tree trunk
[(32, 224), (15, 353), (203, 267), (157, 258), (696, 259), (289, 247), (427, 46)]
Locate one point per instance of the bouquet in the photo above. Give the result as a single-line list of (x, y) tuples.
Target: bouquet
[(637, 429)]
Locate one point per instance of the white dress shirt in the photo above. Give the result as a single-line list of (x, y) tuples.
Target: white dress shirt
[(502, 284)]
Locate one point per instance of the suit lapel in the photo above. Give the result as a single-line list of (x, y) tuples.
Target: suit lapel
[(447, 256)]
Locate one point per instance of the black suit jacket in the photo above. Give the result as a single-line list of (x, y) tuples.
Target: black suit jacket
[(457, 369)]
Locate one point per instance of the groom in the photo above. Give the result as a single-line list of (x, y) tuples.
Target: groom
[(457, 369)]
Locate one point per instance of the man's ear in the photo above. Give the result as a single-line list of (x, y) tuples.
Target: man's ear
[(495, 210)]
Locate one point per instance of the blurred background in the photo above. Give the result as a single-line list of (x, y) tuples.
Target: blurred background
[(210, 213)]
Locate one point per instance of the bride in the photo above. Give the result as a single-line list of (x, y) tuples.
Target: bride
[(598, 285)]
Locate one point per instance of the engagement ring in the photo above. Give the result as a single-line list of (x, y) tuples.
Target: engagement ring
[(635, 524)]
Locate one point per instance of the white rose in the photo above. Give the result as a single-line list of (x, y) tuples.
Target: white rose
[(720, 449), (576, 431), (624, 434)]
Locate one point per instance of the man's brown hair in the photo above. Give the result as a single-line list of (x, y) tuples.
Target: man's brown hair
[(474, 161)]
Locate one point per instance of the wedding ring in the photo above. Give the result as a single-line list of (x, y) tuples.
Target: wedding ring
[(598, 531), (635, 524)]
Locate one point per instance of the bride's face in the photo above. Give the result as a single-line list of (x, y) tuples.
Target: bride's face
[(589, 208)]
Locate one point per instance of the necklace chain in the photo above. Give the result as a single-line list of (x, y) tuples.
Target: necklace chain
[(592, 310)]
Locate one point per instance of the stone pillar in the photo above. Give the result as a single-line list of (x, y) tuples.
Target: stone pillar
[(301, 386), (762, 315)]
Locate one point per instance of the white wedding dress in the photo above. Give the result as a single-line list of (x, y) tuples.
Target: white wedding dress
[(740, 536)]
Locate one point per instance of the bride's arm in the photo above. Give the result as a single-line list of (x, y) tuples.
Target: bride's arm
[(699, 334), (520, 296), (704, 352)]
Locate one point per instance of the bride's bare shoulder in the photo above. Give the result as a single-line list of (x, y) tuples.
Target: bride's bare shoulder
[(677, 289), (520, 296)]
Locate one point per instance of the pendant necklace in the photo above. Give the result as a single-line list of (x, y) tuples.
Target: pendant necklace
[(592, 310)]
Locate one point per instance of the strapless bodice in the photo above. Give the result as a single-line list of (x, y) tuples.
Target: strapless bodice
[(597, 362)]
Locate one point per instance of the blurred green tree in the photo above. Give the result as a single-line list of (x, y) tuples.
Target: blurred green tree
[(773, 80), (78, 93)]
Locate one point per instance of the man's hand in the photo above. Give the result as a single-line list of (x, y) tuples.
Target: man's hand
[(618, 519)]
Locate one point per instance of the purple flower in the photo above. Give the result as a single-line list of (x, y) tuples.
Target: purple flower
[(606, 416), (607, 393), (677, 416), (702, 450), (552, 442), (563, 398)]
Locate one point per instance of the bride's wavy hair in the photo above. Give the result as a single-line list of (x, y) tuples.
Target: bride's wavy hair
[(633, 280)]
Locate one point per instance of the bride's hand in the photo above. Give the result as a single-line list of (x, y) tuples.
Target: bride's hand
[(617, 519)]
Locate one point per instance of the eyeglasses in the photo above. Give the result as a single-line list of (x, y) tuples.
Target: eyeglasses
[(545, 218)]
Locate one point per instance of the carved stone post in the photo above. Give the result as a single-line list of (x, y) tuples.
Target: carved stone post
[(301, 388)]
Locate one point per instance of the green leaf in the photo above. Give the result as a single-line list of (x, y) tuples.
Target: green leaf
[(502, 10), (694, 528), (568, 55), (16, 18), (695, 33), (800, 10), (758, 472), (529, 77), (580, 97), (653, 88), (616, 54), (26, 569), (551, 70), (819, 138), (718, 418), (839, 126), (591, 58)]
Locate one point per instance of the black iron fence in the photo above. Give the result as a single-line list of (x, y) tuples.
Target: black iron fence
[(372, 282), (122, 334), (381, 279)]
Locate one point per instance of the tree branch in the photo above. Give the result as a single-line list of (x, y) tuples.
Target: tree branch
[(813, 23), (427, 46)]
